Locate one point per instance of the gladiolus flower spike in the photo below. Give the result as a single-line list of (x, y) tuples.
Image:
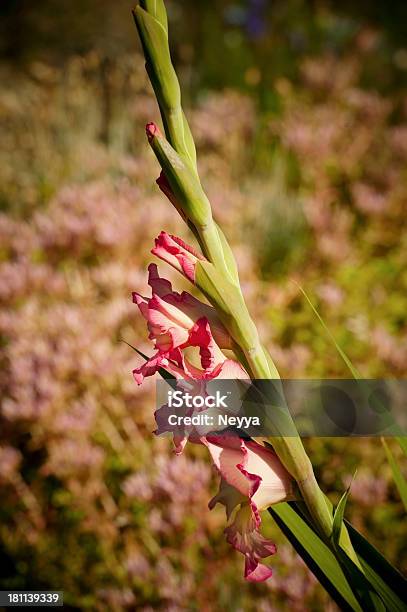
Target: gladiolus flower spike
[(252, 476)]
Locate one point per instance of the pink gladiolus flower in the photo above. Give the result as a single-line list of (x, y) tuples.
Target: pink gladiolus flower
[(179, 321), (253, 478), (178, 254), (214, 364), (171, 317)]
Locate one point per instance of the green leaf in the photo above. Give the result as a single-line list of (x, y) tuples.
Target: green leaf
[(398, 477), (338, 517), (402, 440), (355, 373), (386, 580), (365, 592), (316, 554)]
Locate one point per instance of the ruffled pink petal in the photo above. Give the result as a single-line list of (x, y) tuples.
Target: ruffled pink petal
[(230, 370), (249, 473), (244, 536), (210, 353), (276, 484), (177, 253), (141, 302), (159, 286), (226, 453), (228, 496), (149, 368), (172, 361), (255, 571), (163, 313)]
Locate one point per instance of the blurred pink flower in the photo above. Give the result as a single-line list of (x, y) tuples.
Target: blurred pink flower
[(10, 460)]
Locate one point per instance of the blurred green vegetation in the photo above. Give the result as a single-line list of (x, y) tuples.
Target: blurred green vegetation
[(300, 118)]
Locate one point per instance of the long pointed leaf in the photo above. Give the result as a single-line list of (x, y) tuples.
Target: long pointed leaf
[(403, 443), (338, 517), (398, 477), (382, 576), (316, 554), (387, 581), (355, 373)]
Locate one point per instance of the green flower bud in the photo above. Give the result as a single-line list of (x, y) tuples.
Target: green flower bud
[(156, 8), (183, 181)]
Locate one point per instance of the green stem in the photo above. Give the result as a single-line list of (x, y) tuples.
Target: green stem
[(292, 454)]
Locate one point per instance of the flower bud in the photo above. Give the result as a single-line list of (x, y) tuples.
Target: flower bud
[(182, 180)]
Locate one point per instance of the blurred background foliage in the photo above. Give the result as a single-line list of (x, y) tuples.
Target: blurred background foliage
[(300, 116)]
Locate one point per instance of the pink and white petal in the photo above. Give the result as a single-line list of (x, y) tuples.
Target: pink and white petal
[(255, 571), (162, 312), (231, 370), (186, 248), (177, 253), (228, 496), (149, 367), (210, 353), (169, 258), (179, 336), (226, 454), (276, 484), (159, 286), (141, 302), (172, 361), (244, 536), (177, 246)]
